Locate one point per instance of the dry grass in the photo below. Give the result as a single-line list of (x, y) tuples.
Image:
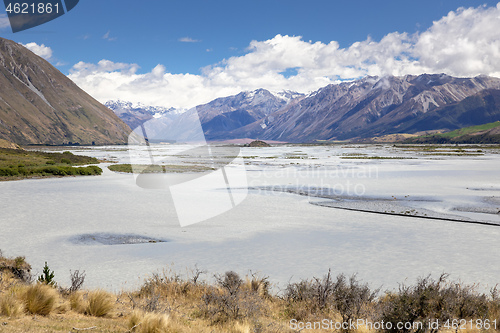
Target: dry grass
[(142, 322), (40, 299), (77, 303), (11, 306), (168, 303), (100, 303)]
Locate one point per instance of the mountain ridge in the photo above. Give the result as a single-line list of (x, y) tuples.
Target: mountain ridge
[(355, 111), (40, 105)]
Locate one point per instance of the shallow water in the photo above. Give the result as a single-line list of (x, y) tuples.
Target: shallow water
[(279, 234)]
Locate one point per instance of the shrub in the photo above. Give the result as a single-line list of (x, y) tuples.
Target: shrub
[(9, 172), (100, 303), (431, 299), (77, 280), (229, 301), (351, 298), (348, 297), (40, 299), (10, 306)]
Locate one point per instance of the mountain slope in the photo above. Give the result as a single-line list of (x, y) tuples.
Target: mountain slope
[(40, 105), (478, 109), (135, 115), (485, 133), (372, 107), (229, 113)]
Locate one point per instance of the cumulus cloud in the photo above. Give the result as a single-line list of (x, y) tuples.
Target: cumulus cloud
[(40, 50), (466, 42)]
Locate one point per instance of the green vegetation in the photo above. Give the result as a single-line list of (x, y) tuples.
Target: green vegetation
[(469, 130), (145, 168), (47, 276), (257, 143), (18, 164), (485, 134)]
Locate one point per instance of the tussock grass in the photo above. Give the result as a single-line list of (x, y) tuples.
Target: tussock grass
[(100, 303), (10, 305), (40, 299), (77, 303), (142, 322)]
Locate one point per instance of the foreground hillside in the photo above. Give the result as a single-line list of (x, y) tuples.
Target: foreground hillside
[(226, 302), (40, 105)]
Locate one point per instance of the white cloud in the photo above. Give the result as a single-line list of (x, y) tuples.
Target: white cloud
[(466, 42), (107, 36), (4, 21), (189, 40), (40, 50)]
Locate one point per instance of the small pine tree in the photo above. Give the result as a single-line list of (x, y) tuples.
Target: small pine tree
[(47, 276)]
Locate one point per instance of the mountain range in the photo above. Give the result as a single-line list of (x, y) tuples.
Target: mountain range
[(356, 110), (40, 105)]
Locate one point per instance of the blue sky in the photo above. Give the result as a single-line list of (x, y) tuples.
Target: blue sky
[(204, 48)]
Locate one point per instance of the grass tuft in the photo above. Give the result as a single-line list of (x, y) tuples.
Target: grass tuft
[(148, 322), (40, 299), (77, 303), (100, 303), (10, 306)]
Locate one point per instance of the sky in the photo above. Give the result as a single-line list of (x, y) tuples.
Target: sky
[(182, 53)]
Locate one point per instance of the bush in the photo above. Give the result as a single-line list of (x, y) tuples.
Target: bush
[(100, 303), (431, 299), (229, 301), (40, 299), (352, 299), (77, 280), (8, 172), (348, 297)]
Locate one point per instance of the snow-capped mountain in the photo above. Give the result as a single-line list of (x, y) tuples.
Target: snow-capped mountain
[(369, 107), (136, 114), (375, 106), (229, 113)]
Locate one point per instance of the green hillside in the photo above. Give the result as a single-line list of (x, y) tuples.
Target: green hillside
[(486, 133)]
